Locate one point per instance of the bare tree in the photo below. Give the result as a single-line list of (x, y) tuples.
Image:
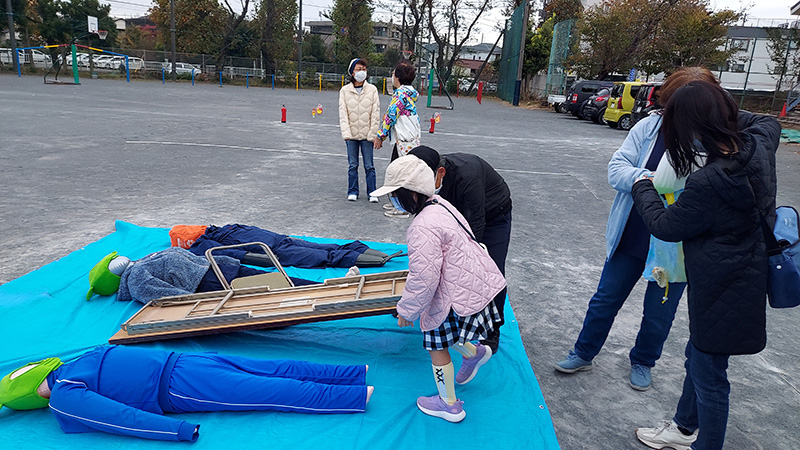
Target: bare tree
[(451, 24), (232, 22)]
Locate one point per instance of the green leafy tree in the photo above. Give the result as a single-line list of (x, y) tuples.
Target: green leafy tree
[(537, 52), (233, 33), (314, 48), (689, 35), (276, 20), (352, 29), (199, 25), (563, 9)]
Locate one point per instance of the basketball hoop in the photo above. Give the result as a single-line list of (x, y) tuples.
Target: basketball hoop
[(102, 34), (407, 54)]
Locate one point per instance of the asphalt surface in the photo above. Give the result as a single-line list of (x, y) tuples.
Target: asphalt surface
[(75, 158)]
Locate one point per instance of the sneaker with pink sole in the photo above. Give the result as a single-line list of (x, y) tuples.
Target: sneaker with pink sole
[(469, 368), (436, 407)]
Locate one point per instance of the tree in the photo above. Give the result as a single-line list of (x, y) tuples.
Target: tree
[(198, 25), (782, 47), (563, 9), (391, 56), (316, 51), (537, 52), (352, 29), (690, 35), (451, 24), (619, 35), (276, 20), (231, 31)]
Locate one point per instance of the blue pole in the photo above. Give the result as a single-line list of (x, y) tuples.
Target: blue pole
[(127, 70), (247, 86), (162, 75), (19, 71), (273, 82), (220, 79), (192, 77)]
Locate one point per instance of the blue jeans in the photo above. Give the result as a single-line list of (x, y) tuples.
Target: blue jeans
[(620, 274), (352, 170), (704, 401)]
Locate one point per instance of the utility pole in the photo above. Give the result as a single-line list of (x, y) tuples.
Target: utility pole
[(518, 82), (402, 31), (173, 73), (10, 15), (300, 38)]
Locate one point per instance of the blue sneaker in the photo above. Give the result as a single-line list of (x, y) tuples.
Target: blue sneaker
[(640, 377), (573, 364)]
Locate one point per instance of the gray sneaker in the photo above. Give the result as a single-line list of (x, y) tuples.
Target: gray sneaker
[(640, 377), (396, 214), (573, 363), (666, 435)]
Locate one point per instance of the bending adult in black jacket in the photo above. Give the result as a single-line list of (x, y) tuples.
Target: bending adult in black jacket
[(483, 198), (718, 218)]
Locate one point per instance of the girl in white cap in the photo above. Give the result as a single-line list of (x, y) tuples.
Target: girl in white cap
[(451, 282), (359, 119)]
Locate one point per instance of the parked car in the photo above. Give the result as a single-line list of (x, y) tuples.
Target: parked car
[(620, 105), (595, 107), (39, 58), (646, 100), (181, 68), (580, 91), (103, 61)]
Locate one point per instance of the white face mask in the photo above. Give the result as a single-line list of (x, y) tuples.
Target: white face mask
[(360, 76)]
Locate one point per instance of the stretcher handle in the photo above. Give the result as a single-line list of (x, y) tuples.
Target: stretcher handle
[(266, 249)]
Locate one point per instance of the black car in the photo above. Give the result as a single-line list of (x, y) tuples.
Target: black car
[(580, 91), (596, 106), (646, 100)]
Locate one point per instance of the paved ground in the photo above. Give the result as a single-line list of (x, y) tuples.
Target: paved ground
[(75, 158)]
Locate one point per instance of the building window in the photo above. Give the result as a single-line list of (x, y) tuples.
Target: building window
[(380, 48), (734, 66), (740, 44)]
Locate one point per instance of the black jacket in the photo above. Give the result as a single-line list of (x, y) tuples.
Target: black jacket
[(718, 218), (475, 189)]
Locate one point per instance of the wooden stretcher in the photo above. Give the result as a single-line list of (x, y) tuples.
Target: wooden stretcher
[(262, 301)]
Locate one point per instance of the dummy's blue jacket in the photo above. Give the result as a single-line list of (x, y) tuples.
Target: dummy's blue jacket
[(117, 390)]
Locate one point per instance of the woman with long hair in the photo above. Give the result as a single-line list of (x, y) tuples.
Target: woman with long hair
[(718, 218)]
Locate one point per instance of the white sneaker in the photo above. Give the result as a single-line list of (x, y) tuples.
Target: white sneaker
[(352, 197), (373, 199), (388, 206), (666, 435)]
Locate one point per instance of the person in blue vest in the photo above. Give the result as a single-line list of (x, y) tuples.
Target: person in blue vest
[(126, 390)]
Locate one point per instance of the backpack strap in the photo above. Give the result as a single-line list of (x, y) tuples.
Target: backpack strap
[(436, 202)]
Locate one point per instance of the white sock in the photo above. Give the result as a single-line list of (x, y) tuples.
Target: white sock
[(467, 350), (445, 382)]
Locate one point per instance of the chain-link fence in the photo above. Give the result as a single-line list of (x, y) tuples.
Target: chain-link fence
[(201, 67), (509, 62), (559, 51)]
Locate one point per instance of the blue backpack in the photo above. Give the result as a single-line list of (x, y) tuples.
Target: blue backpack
[(783, 246)]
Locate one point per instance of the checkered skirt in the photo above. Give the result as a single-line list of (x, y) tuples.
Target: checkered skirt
[(457, 329)]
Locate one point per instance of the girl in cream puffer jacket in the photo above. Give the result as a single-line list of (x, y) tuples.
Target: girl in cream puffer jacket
[(359, 119)]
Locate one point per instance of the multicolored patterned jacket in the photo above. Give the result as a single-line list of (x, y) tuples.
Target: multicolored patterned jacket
[(404, 103)]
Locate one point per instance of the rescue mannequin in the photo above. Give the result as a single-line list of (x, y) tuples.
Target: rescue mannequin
[(126, 390)]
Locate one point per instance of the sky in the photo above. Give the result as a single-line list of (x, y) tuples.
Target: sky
[(487, 32)]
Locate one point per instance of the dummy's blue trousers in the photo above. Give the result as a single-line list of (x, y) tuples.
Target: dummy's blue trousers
[(211, 382), (620, 274)]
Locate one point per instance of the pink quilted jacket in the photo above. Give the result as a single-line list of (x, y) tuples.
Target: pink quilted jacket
[(446, 269)]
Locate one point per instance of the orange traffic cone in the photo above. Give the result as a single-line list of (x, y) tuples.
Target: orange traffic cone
[(783, 111)]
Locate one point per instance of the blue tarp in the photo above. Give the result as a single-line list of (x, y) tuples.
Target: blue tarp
[(44, 313)]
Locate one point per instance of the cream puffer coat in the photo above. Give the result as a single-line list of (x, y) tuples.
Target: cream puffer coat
[(446, 269), (359, 114)]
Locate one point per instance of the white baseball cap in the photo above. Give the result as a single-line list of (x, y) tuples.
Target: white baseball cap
[(407, 172)]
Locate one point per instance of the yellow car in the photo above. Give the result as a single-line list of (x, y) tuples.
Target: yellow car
[(620, 104)]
